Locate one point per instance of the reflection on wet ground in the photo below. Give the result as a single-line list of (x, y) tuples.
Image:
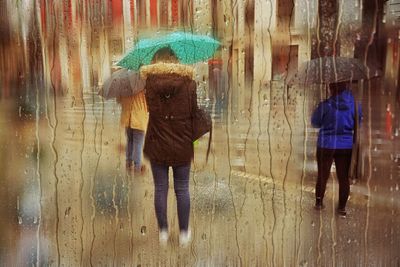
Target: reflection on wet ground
[(67, 200)]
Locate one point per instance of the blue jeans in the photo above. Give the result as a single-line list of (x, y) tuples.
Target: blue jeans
[(134, 147), (181, 186)]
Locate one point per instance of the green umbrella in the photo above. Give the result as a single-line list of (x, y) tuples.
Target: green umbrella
[(189, 48)]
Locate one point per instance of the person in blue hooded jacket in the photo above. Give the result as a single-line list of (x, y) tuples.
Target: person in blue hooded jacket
[(335, 118)]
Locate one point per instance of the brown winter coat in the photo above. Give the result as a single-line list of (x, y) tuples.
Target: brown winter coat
[(171, 99)]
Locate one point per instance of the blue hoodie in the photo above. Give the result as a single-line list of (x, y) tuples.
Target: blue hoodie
[(335, 117)]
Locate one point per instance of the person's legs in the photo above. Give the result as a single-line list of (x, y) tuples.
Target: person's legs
[(342, 162), (324, 162), (181, 186), (129, 146), (137, 151), (160, 177)]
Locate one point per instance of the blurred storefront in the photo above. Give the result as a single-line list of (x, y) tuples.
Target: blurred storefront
[(66, 198)]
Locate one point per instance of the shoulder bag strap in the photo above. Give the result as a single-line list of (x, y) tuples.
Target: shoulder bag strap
[(192, 118), (356, 135)]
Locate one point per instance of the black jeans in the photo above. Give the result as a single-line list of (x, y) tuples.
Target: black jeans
[(325, 158), (181, 185)]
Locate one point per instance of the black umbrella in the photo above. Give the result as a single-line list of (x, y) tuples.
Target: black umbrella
[(122, 83), (325, 70)]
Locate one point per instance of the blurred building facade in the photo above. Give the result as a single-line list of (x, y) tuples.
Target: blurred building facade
[(261, 41)]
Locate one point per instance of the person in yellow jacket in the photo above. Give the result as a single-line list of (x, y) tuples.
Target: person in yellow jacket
[(134, 117)]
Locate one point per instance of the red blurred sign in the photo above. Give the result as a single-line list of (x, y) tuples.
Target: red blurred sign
[(153, 12), (116, 11), (174, 12), (132, 6)]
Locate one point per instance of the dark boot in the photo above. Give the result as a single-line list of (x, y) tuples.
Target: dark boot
[(342, 212), (318, 204), (129, 165)]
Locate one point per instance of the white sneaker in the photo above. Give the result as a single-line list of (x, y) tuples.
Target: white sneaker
[(184, 238), (163, 237)]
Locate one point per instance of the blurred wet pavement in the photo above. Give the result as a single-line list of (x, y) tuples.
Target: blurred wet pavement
[(67, 200)]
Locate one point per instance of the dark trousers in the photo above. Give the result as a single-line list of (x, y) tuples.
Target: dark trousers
[(181, 186), (325, 158)]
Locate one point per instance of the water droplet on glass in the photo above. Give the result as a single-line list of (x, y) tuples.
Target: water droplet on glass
[(19, 220), (204, 236), (397, 187), (303, 263), (67, 211), (312, 223), (143, 230)]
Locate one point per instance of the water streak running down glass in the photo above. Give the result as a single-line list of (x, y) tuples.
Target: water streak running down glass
[(67, 199)]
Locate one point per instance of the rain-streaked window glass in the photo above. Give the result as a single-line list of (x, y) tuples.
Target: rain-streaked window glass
[(301, 167)]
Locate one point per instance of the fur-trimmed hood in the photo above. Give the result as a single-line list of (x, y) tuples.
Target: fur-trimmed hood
[(167, 68)]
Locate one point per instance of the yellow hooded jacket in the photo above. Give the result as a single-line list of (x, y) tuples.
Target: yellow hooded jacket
[(134, 112)]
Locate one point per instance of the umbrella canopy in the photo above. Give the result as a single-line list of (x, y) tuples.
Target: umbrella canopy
[(189, 48), (122, 83), (331, 69)]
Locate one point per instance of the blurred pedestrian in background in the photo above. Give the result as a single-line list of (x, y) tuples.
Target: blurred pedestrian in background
[(397, 111), (389, 122), (336, 119), (134, 117), (172, 100)]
